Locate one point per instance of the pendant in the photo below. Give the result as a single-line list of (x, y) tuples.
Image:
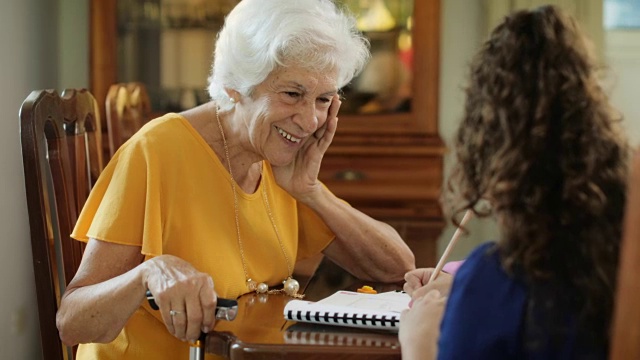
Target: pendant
[(291, 286), (252, 285), (262, 288)]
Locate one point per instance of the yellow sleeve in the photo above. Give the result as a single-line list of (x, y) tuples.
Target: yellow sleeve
[(124, 206)]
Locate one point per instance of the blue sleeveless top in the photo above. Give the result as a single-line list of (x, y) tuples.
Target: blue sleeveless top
[(485, 313)]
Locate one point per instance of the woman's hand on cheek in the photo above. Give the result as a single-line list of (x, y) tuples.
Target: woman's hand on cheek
[(324, 134), (300, 177)]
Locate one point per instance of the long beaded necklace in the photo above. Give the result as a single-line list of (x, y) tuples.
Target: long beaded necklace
[(290, 285)]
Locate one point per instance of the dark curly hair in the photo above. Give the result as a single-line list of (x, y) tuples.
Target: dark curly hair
[(541, 142)]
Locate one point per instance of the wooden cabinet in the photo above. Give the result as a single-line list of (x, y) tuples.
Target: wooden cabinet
[(390, 164), (397, 184), (386, 158)]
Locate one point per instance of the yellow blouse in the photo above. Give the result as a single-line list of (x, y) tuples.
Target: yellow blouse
[(166, 191)]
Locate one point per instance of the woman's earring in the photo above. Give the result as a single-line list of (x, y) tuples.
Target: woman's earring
[(233, 100)]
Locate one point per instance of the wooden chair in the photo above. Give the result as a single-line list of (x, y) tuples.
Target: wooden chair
[(81, 110), (61, 157), (127, 108), (625, 340)]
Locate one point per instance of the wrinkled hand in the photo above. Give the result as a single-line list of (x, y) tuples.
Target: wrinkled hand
[(420, 326), (176, 285), (300, 177), (417, 282)]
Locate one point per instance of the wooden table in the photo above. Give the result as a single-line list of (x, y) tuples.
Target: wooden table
[(261, 332)]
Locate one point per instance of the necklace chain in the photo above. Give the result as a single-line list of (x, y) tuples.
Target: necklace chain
[(265, 198), (291, 286)]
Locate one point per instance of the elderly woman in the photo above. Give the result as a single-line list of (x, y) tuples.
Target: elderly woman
[(541, 142), (221, 200)]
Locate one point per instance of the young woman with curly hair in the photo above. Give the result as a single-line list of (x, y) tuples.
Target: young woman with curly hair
[(540, 142)]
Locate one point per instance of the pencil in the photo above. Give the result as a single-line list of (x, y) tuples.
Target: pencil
[(452, 243)]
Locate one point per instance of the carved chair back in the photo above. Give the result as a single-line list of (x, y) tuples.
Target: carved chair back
[(62, 158)]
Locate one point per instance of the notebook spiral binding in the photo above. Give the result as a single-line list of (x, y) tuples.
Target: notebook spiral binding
[(344, 318)]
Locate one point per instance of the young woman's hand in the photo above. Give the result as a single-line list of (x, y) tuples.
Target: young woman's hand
[(417, 282), (420, 327)]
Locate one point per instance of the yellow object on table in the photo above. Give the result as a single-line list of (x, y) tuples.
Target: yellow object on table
[(367, 290)]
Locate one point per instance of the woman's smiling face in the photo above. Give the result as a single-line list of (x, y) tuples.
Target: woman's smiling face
[(286, 109)]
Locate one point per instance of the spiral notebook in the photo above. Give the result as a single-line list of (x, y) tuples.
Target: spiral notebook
[(352, 309)]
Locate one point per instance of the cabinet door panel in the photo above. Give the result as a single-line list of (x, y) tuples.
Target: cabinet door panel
[(401, 103), (385, 178)]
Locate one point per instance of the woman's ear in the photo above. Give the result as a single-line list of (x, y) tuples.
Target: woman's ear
[(234, 96)]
